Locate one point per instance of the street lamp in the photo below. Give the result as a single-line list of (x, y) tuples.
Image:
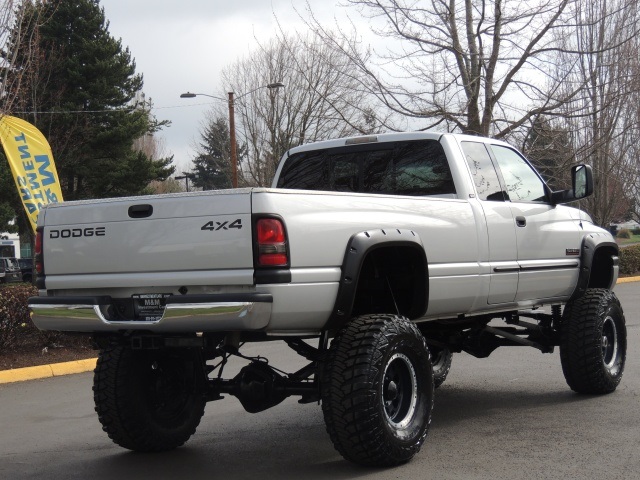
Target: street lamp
[(232, 122), (186, 176)]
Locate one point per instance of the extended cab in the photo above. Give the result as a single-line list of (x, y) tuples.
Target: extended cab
[(373, 257)]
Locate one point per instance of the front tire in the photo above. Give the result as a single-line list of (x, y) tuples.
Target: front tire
[(377, 390), (147, 400), (593, 342)]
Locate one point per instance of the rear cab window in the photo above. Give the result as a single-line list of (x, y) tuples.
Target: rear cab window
[(416, 168)]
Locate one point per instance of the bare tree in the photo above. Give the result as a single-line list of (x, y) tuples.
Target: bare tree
[(602, 115), (18, 36), (632, 177), (19, 26), (170, 185), (631, 168), (475, 66), (547, 144), (318, 102)]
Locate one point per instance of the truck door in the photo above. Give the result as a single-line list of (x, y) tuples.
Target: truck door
[(502, 254), (547, 237)]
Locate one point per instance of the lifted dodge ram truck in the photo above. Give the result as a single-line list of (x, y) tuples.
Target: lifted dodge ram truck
[(374, 258)]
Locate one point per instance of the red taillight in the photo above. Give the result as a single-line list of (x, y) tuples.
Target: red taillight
[(38, 252), (270, 231), (272, 243)]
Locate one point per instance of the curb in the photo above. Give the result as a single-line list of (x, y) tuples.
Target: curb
[(47, 371), (628, 280)]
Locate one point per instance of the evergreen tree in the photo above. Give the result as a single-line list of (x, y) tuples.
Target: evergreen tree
[(82, 96), (211, 167)]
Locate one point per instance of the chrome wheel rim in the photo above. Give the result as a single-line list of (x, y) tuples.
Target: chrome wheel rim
[(610, 344), (399, 391)]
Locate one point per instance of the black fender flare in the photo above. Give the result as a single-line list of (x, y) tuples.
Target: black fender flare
[(358, 247), (590, 245)]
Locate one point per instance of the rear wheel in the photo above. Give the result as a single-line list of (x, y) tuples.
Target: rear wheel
[(377, 390), (148, 400), (593, 344)]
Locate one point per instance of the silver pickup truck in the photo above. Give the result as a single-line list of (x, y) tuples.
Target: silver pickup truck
[(375, 258)]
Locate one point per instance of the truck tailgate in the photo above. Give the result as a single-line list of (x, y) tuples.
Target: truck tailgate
[(195, 234)]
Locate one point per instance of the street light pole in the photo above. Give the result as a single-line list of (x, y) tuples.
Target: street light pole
[(232, 123), (232, 135), (185, 176)]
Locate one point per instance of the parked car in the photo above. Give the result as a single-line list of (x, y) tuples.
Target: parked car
[(26, 267), (9, 270)]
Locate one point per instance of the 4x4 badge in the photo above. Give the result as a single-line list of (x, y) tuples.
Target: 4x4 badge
[(211, 226), (573, 252)]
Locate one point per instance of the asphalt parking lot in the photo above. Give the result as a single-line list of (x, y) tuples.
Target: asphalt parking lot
[(508, 416)]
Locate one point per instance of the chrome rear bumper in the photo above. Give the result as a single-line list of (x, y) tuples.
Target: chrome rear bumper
[(185, 313)]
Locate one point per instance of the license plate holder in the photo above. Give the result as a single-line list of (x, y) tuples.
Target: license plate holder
[(149, 307)]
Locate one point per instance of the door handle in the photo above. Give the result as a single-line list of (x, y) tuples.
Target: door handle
[(521, 221), (140, 211)]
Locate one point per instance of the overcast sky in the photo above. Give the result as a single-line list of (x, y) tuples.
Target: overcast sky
[(183, 45)]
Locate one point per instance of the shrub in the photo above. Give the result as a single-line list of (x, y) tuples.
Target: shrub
[(624, 233), (15, 321), (635, 231), (630, 260), (16, 328)]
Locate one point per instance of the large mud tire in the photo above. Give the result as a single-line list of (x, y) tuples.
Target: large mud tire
[(377, 390), (148, 400), (593, 342), (441, 360)]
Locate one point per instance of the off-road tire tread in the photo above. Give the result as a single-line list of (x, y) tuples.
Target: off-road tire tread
[(441, 374), (352, 421), (113, 401), (580, 342)]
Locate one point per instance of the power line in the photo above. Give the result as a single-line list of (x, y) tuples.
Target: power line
[(111, 111), (75, 111)]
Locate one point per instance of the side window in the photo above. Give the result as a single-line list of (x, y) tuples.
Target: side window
[(483, 172), (523, 183)]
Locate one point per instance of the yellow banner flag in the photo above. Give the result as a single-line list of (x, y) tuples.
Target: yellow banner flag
[(32, 166)]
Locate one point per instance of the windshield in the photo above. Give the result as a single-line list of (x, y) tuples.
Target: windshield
[(10, 263)]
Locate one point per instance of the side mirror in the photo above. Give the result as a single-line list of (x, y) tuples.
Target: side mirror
[(582, 181)]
